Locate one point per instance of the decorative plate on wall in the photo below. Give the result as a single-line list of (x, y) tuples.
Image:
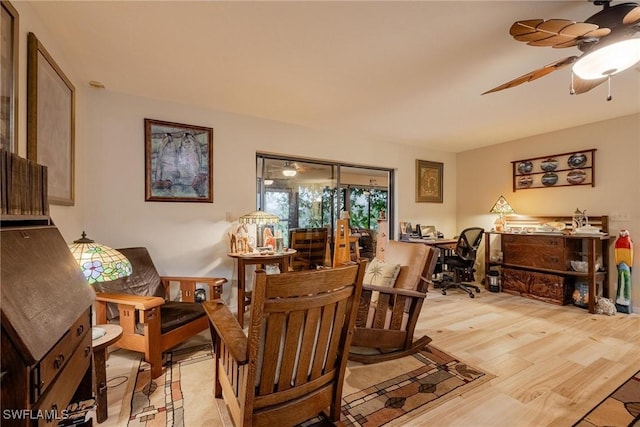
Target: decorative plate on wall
[(557, 170)]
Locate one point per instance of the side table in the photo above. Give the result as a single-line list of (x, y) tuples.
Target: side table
[(282, 259), (100, 345)]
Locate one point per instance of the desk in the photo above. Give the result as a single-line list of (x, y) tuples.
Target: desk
[(445, 246), (244, 260), (114, 332)]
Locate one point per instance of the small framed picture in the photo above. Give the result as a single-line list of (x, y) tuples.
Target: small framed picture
[(429, 181), (178, 162)]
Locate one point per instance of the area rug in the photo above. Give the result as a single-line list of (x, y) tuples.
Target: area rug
[(181, 397), (373, 395), (621, 408)]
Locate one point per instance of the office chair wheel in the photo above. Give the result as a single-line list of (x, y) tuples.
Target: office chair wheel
[(443, 292), (471, 295)]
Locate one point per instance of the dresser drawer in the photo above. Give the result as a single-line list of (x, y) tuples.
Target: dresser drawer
[(535, 256), (80, 327), (59, 395), (541, 286), (550, 252), (57, 358)]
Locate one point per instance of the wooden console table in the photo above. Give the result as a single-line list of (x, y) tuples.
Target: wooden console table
[(282, 259), (538, 265)]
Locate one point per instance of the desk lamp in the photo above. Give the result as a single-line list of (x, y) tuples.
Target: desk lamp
[(501, 207), (99, 263), (260, 219)]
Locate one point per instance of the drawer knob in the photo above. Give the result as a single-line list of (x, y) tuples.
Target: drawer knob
[(57, 363), (87, 350), (80, 330)]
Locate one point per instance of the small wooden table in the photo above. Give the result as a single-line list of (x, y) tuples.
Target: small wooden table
[(282, 259), (100, 345)]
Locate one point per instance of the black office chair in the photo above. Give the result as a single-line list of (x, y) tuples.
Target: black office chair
[(460, 266)]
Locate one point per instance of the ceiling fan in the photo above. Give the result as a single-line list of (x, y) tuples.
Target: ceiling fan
[(607, 41)]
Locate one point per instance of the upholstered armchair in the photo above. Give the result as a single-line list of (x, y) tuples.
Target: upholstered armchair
[(140, 303)]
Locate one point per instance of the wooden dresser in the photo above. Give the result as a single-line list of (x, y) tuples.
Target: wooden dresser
[(538, 265), (46, 303)]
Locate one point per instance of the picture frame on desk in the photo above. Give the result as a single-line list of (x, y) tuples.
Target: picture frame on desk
[(51, 121), (429, 185)]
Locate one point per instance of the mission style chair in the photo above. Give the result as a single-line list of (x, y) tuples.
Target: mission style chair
[(291, 366), (140, 303), (387, 316)]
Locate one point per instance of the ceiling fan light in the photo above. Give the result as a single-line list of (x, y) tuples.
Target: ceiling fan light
[(289, 172), (608, 60), (268, 182)]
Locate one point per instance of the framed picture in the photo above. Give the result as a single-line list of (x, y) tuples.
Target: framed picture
[(178, 162), (9, 77), (50, 121), (429, 181)]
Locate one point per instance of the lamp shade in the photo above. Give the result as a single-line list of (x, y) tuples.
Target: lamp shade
[(259, 217), (608, 60), (99, 263), (502, 207)]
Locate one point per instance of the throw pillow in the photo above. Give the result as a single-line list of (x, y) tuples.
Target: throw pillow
[(381, 273)]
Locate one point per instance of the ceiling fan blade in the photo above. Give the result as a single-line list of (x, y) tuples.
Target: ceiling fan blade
[(535, 74), (632, 17), (559, 33), (581, 85)]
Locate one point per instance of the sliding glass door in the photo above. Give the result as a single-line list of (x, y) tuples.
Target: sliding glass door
[(309, 193)]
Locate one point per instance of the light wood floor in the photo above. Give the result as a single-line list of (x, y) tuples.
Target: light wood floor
[(552, 363)]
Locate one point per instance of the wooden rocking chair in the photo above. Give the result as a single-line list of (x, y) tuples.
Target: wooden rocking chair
[(385, 326), (291, 366)]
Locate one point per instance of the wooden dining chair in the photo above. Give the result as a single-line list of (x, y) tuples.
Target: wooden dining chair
[(291, 366)]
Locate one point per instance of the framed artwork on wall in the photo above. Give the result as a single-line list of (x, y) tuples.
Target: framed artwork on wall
[(178, 162), (50, 121), (429, 186), (9, 78)]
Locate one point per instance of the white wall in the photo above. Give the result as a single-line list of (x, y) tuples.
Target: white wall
[(190, 238), (486, 173)]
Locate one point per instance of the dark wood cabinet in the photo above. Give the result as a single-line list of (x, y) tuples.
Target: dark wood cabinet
[(45, 341), (538, 265)]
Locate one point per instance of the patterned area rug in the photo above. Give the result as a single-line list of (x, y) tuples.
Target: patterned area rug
[(621, 408), (373, 395), (178, 398), (393, 392)]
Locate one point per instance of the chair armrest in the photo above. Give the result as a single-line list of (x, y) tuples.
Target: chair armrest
[(188, 285), (394, 291), (228, 329), (137, 301)]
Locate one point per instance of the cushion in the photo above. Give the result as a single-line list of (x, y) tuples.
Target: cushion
[(381, 273)]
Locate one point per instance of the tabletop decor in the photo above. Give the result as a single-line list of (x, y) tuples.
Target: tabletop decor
[(178, 162)]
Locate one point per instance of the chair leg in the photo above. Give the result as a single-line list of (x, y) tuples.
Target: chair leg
[(152, 347)]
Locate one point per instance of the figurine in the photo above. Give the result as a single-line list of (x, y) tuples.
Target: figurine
[(624, 261)]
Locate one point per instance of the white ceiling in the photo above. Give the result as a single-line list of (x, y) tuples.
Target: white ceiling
[(409, 72)]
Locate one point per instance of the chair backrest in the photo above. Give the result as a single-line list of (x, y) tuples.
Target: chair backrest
[(144, 279), (417, 262), (311, 247), (468, 243), (299, 337)]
